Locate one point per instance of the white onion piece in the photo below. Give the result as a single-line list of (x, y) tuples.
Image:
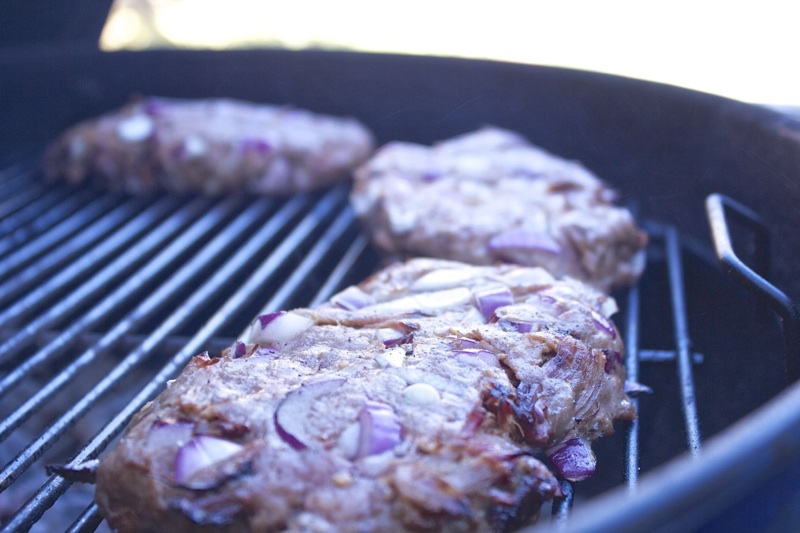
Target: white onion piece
[(165, 434), (428, 302), (135, 128), (573, 459), (608, 307), (421, 394), (491, 299), (200, 452), (280, 327), (394, 357), (442, 279), (380, 429), (520, 239), (292, 412), (476, 357), (352, 298)]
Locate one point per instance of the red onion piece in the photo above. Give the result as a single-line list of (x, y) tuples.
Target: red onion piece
[(491, 299), (292, 412), (573, 459), (613, 360), (603, 324), (380, 429), (279, 327), (352, 298), (520, 239), (265, 320), (239, 349), (394, 337), (200, 452), (258, 146), (522, 327)]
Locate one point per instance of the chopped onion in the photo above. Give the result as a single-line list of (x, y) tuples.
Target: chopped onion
[(135, 128), (463, 343), (426, 302), (259, 146), (280, 327), (380, 429), (352, 298), (163, 434), (239, 349), (613, 360), (522, 327), (421, 394), (573, 459), (394, 337), (394, 357), (520, 239), (200, 452), (476, 357), (489, 300), (443, 278), (603, 324), (292, 412)]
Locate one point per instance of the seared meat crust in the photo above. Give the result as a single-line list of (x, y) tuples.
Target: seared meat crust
[(426, 398)]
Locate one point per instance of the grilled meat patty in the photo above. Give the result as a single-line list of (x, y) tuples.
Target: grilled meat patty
[(209, 146), (490, 196), (429, 397)]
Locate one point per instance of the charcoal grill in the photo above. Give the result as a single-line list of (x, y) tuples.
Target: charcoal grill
[(104, 297)]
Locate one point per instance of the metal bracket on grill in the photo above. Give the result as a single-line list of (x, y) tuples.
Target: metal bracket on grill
[(717, 207)]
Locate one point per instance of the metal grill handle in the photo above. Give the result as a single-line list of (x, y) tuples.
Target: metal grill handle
[(717, 207)]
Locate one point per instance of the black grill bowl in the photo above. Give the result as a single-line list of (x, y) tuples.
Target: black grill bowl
[(717, 444)]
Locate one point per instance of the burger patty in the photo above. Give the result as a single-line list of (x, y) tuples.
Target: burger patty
[(209, 146), (433, 396), (491, 196)]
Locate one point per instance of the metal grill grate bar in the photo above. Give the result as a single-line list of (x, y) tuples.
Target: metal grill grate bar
[(96, 283), (83, 216), (117, 298), (56, 486), (632, 374), (682, 341)]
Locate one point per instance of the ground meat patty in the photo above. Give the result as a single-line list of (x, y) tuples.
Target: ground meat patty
[(429, 397), (209, 146), (491, 196)]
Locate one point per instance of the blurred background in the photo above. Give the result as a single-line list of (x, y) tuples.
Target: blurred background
[(741, 50)]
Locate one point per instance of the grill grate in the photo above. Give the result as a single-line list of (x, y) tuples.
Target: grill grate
[(136, 286)]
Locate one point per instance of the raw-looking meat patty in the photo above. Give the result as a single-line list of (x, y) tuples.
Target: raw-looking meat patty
[(491, 196), (429, 397), (210, 146)]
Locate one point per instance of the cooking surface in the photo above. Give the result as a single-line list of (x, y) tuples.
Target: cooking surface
[(104, 297)]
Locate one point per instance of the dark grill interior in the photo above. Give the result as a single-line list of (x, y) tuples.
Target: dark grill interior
[(105, 297)]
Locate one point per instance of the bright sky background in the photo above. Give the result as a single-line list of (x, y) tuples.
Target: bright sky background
[(744, 50)]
